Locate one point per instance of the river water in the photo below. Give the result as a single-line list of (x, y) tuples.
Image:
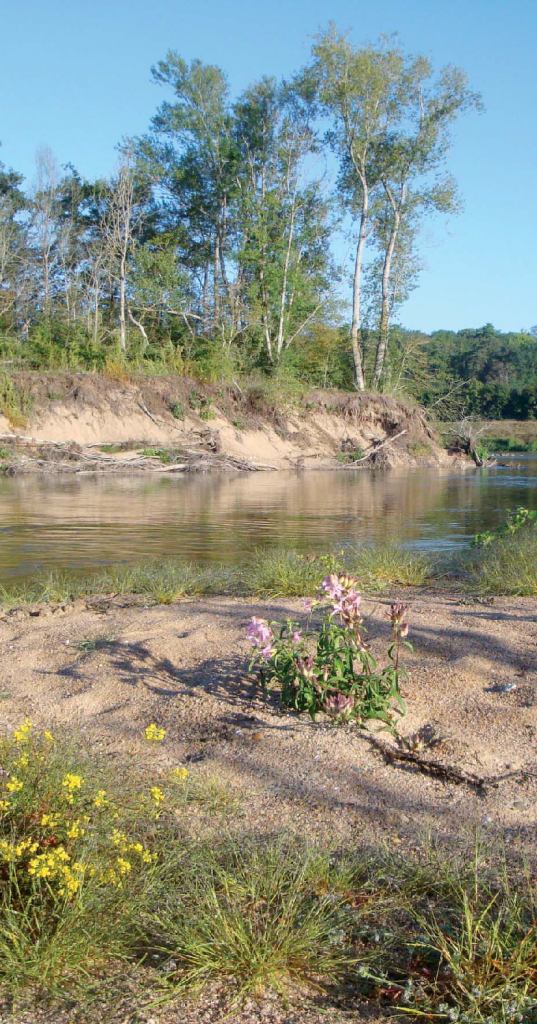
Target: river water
[(69, 522)]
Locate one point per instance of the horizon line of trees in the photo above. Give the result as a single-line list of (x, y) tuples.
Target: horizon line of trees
[(212, 244)]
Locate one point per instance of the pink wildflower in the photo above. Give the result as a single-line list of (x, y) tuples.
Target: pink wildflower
[(296, 637), (339, 704), (398, 618), (260, 636)]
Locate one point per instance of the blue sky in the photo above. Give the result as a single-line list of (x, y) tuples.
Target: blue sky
[(77, 77)]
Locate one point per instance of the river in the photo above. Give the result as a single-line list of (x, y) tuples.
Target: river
[(70, 522)]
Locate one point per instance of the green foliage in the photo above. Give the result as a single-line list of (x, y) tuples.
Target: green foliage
[(178, 410), (515, 520), (15, 401)]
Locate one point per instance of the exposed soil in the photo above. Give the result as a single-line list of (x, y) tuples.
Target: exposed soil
[(472, 677), (206, 427)]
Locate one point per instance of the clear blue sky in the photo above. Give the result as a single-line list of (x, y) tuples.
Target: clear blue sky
[(77, 77)]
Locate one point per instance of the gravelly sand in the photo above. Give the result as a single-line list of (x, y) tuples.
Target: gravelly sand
[(185, 667)]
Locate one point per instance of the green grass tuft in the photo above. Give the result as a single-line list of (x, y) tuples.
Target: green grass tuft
[(389, 564), (508, 566)]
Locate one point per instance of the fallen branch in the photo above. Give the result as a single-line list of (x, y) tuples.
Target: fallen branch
[(374, 449), (435, 768), (150, 414)]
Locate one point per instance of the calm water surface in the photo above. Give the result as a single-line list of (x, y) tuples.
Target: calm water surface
[(81, 523)]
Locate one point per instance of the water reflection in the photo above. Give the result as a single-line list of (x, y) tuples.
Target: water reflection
[(79, 522)]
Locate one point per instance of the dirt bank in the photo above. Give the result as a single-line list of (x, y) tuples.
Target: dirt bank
[(70, 417), (111, 667)]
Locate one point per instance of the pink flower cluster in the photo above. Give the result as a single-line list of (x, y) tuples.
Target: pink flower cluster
[(261, 636), (339, 704), (398, 618), (345, 597)]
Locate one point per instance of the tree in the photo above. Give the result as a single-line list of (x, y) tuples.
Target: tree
[(282, 217), (361, 89), (414, 153), (13, 245)]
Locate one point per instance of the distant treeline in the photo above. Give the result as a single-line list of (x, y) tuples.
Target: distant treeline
[(475, 372)]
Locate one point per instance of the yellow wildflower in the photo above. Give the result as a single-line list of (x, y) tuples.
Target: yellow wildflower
[(21, 735), (49, 820), (14, 784), (125, 866), (49, 737), (180, 773), (75, 831), (101, 799), (4, 805), (72, 782), (154, 734), (157, 794), (119, 839)]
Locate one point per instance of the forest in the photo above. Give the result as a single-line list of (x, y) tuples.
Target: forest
[(276, 232)]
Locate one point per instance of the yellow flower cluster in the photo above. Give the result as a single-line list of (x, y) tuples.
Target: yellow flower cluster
[(154, 734), (65, 846), (22, 734), (56, 865)]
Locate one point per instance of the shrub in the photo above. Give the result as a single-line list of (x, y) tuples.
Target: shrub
[(331, 669), (15, 401), (178, 410)]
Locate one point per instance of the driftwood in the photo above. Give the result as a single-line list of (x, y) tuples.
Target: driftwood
[(373, 450), (448, 773), (201, 455), (435, 768)]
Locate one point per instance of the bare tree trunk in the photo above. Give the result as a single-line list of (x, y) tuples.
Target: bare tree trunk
[(141, 328), (359, 381), (384, 328), (122, 307)]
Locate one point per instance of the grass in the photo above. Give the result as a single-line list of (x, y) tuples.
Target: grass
[(265, 574), (284, 573), (426, 934), (389, 564), (507, 566)]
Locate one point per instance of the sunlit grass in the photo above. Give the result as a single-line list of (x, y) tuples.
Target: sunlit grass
[(381, 565), (425, 933), (507, 566)]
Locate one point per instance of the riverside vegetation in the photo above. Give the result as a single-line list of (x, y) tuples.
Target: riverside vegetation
[(498, 562)]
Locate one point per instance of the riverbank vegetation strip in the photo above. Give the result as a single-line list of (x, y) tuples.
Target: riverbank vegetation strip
[(506, 566)]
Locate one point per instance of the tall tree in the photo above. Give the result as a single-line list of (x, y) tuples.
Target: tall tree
[(412, 177), (361, 89)]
